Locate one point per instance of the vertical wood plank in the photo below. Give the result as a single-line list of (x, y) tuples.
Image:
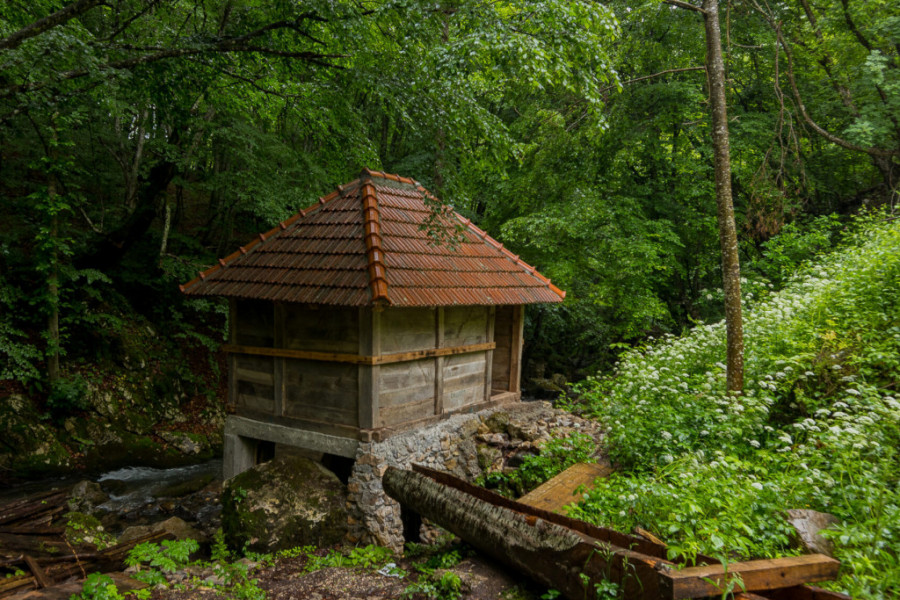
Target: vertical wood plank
[(439, 361), (369, 345), (489, 355), (232, 339), (515, 351), (278, 371)]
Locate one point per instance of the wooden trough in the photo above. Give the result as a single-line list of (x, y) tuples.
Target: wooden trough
[(571, 556)]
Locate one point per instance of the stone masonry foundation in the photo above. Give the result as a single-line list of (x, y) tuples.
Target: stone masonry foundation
[(465, 445)]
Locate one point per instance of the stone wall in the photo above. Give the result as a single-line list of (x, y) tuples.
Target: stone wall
[(464, 445)]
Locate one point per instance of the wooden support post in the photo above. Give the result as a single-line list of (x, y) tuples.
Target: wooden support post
[(369, 345), (515, 350), (439, 361), (489, 354), (232, 360), (278, 361)]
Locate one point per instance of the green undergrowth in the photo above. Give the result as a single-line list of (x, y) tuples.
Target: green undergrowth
[(232, 576), (228, 574), (818, 424), (556, 455)]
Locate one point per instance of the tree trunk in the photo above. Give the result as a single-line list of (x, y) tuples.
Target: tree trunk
[(731, 269), (53, 273), (110, 250)]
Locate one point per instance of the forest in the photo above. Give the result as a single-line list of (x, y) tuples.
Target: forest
[(142, 140)]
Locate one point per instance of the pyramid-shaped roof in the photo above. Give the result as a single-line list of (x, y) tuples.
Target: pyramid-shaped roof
[(368, 243)]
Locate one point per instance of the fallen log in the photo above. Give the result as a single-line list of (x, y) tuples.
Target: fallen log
[(567, 558), (34, 507), (49, 571)]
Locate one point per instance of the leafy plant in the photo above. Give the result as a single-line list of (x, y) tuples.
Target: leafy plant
[(98, 586), (367, 557), (818, 425), (166, 557), (447, 586), (556, 455)]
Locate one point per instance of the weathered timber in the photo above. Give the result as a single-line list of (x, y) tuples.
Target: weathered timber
[(39, 576), (47, 571), (755, 576), (565, 553), (559, 492), (357, 359), (11, 544), (603, 534), (13, 585), (33, 507), (549, 553), (805, 592), (33, 530)]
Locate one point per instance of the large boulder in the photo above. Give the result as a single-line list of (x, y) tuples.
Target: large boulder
[(286, 502), (86, 496), (808, 523)]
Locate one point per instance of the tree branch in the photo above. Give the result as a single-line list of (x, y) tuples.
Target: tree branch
[(225, 46), (61, 16), (685, 5), (803, 113)]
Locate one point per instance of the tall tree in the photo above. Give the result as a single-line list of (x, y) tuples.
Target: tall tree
[(731, 268)]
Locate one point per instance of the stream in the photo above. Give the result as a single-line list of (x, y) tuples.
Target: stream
[(136, 496)]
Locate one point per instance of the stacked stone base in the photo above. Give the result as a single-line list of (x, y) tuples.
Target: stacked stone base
[(464, 445)]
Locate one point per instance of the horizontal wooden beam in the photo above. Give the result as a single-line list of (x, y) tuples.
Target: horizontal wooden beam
[(357, 359), (754, 575)]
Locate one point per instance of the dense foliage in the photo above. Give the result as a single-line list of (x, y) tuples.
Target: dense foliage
[(817, 427), (142, 140)]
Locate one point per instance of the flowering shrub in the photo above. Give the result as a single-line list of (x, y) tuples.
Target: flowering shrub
[(818, 425)]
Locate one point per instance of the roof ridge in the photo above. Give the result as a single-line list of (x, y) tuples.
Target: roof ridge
[(390, 176), (262, 237), (374, 252)]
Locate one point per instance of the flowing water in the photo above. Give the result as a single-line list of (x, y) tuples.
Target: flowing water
[(143, 495), (133, 487)]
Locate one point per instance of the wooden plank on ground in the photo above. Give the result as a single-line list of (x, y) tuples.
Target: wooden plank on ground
[(553, 495), (38, 572), (755, 575)]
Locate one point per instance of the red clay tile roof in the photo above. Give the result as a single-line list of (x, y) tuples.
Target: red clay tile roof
[(365, 244)]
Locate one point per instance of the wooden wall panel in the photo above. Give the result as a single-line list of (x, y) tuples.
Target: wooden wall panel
[(321, 391), (324, 329), (503, 337), (255, 323), (463, 380), (255, 382), (407, 329), (406, 391), (465, 325)]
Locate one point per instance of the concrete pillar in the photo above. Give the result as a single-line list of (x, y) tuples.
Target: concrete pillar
[(239, 455)]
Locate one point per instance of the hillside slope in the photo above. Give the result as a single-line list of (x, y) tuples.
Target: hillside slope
[(817, 427)]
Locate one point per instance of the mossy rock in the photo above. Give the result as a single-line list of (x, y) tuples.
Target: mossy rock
[(284, 503), (498, 422), (34, 449)]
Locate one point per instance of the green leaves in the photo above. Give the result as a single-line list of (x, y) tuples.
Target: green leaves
[(817, 426)]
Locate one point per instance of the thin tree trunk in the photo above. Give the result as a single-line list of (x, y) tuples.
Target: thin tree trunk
[(167, 224), (53, 274), (731, 269)]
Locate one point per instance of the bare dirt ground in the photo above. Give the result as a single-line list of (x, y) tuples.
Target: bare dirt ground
[(287, 580)]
